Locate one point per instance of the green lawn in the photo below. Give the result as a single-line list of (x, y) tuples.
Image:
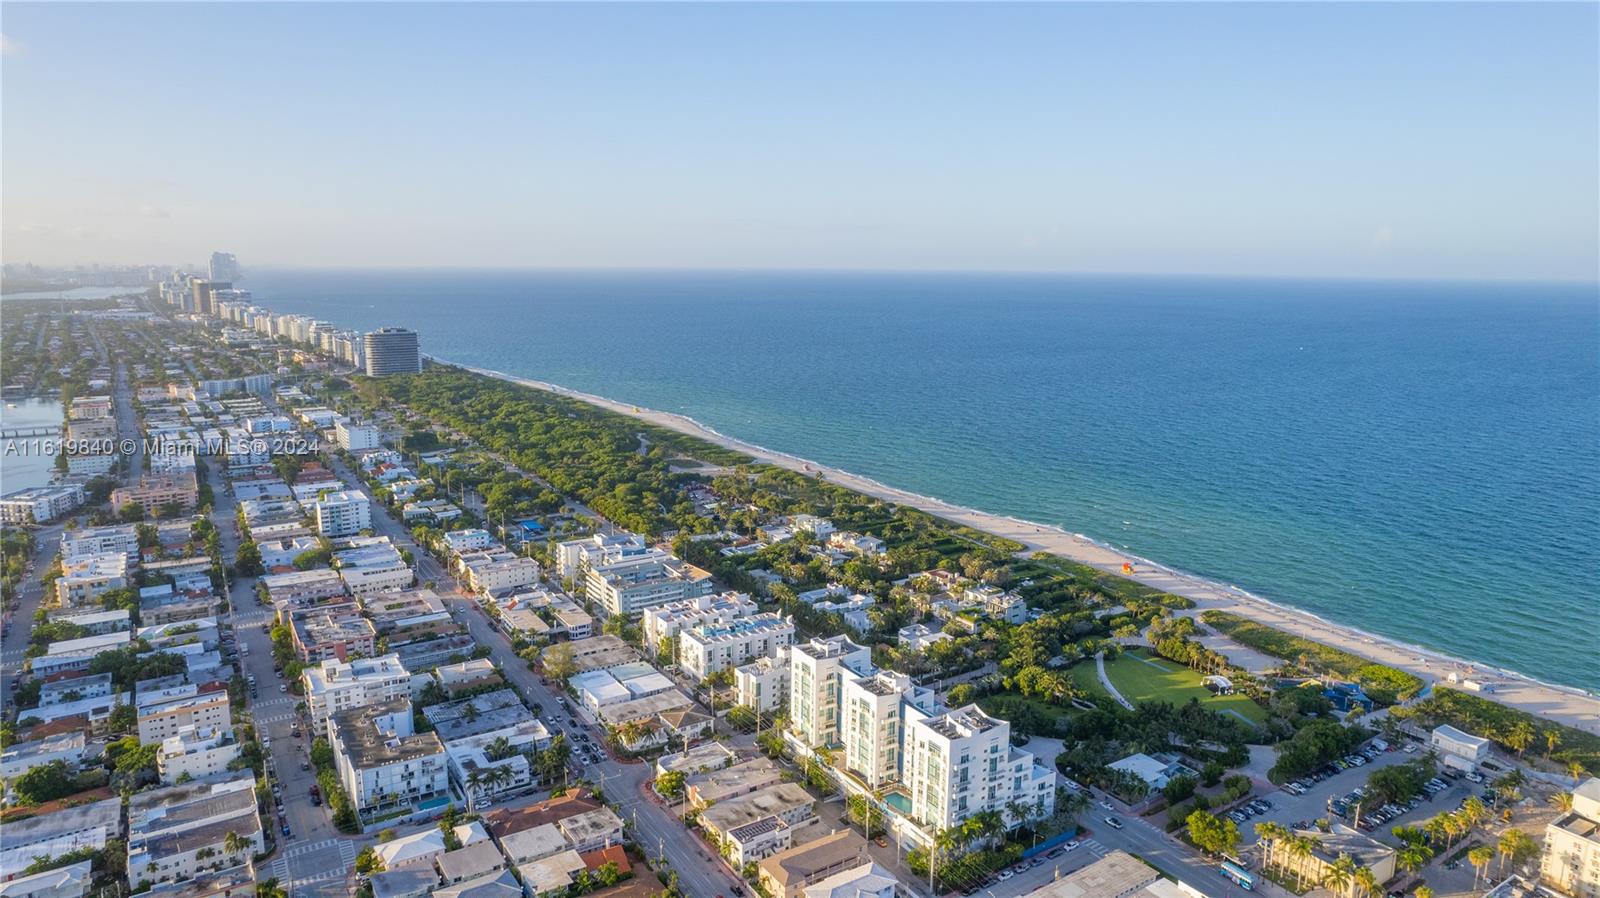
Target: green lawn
[(1083, 673), (1143, 677)]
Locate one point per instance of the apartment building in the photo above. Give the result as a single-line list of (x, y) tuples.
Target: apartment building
[(343, 514), (39, 505), (498, 572), (383, 762), (816, 673), (664, 622), (195, 752), (354, 437), (373, 565), (87, 577), (875, 709), (155, 492), (574, 557), (178, 832), (762, 823), (122, 539), (334, 686), (786, 874), (961, 763), (300, 588), (630, 585), (165, 712), (707, 648), (336, 632), (1571, 860), (763, 684)]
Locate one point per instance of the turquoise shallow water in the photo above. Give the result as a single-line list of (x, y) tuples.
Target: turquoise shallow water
[(1420, 460)]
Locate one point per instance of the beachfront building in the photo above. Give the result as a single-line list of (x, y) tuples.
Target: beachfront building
[(705, 649), (628, 586), (1458, 749), (816, 673), (1571, 860)]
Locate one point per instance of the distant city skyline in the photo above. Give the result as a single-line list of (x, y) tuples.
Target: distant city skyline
[(1300, 140)]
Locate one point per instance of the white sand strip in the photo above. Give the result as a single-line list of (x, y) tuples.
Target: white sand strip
[(1571, 706)]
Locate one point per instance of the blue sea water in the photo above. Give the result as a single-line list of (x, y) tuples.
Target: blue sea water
[(1419, 460)]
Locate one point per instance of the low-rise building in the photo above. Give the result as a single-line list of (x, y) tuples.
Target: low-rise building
[(87, 577), (706, 789), (763, 684), (373, 565), (165, 712), (1458, 749), (488, 766), (178, 832), (491, 711), (787, 873), (705, 649), (630, 585), (760, 824), (195, 752), (39, 505), (301, 588), (18, 758), (70, 881), (470, 862), (160, 493), (869, 880), (62, 831), (74, 689), (335, 686), (384, 765), (337, 632), (491, 572)]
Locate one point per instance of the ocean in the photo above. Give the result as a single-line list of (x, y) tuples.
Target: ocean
[(1418, 460)]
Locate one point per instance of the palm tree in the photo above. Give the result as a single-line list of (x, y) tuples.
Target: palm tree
[(1412, 858), (1552, 738), (1337, 875), (498, 749), (1576, 771), (1479, 858), (1506, 847), (1562, 801), (1521, 736), (233, 843), (474, 786), (1366, 880), (1268, 833), (1300, 848), (1423, 891)]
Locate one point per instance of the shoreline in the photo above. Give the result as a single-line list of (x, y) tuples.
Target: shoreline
[(1570, 705)]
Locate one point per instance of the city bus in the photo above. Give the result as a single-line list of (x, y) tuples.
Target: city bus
[(1237, 873)]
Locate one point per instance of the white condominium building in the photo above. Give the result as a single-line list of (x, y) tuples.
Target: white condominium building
[(666, 621), (876, 709), (371, 566), (335, 685), (343, 514), (630, 585), (573, 556), (383, 762), (1572, 845), (763, 684), (961, 763), (707, 648), (816, 672)]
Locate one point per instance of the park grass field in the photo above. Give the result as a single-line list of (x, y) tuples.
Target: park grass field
[(1142, 677)]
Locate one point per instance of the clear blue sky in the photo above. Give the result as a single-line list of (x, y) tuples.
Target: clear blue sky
[(1413, 140)]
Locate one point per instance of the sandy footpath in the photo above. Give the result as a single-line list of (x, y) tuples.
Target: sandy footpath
[(1570, 706)]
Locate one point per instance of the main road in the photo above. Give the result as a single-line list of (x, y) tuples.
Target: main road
[(656, 830)]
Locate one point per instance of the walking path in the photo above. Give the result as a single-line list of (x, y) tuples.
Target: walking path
[(1100, 668)]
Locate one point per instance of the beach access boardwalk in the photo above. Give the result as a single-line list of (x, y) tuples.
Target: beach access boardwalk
[(1573, 707)]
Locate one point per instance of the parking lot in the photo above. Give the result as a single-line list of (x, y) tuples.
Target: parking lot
[(1340, 787)]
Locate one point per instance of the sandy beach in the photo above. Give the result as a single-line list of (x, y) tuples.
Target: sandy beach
[(1573, 707)]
